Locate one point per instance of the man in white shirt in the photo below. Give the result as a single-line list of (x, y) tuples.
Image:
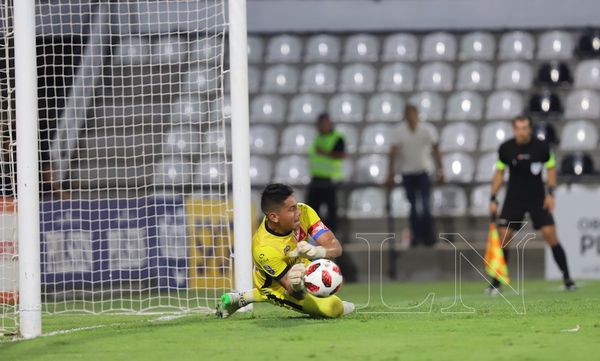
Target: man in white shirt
[(413, 145)]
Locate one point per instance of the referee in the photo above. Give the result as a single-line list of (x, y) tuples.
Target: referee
[(525, 157)]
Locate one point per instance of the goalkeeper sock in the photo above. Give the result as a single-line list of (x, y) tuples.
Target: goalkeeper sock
[(561, 260), (251, 296)]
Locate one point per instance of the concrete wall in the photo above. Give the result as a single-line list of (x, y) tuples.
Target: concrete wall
[(390, 15)]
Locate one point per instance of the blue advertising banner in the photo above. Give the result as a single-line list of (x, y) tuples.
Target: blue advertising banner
[(86, 243)]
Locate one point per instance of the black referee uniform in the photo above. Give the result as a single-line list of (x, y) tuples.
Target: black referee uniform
[(526, 193)]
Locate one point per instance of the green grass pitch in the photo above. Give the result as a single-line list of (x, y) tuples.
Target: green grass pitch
[(554, 325)]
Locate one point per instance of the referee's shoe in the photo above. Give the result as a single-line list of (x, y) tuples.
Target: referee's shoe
[(570, 285)]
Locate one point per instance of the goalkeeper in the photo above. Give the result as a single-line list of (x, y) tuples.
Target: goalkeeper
[(280, 251)]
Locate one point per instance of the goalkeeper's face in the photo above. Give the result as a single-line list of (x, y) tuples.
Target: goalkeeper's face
[(288, 215)]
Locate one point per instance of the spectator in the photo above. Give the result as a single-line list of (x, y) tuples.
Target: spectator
[(413, 145), (326, 156)]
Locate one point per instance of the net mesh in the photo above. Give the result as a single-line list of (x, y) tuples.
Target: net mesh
[(8, 229), (134, 152)]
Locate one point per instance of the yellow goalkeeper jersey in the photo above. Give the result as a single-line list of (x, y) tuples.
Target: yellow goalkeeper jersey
[(270, 251)]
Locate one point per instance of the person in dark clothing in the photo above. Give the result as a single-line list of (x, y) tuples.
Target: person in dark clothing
[(326, 156), (526, 157), (414, 144)]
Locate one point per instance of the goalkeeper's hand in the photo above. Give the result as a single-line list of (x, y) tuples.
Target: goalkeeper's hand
[(296, 277), (307, 250)]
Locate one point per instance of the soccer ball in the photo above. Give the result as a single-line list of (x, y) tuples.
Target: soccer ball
[(323, 278)]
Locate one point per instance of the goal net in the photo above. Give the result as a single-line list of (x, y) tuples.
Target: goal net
[(135, 212), (8, 226)]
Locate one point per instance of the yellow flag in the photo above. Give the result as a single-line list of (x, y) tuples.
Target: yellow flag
[(495, 263)]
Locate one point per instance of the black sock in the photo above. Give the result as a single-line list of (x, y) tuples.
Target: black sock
[(561, 260), (495, 281)]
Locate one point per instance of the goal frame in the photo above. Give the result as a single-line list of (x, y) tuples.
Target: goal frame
[(28, 198)]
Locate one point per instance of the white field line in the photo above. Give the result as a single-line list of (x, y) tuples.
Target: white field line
[(87, 328)]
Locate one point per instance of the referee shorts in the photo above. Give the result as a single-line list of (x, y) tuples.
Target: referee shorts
[(513, 212)]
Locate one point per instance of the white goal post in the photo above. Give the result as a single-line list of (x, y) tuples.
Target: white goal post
[(134, 194)]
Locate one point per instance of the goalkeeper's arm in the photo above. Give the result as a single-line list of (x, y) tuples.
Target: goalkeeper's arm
[(327, 247), (293, 281)]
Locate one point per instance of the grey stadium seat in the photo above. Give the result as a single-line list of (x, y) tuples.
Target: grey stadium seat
[(263, 139), (292, 170), (400, 47), (284, 49), (306, 108), (516, 45), (367, 203), (169, 50), (267, 108), (397, 77), (555, 45), (578, 136), (218, 109), (182, 139), (583, 104), (173, 171), (587, 74), (348, 169), (475, 76), (438, 46), (486, 166), (449, 200), (253, 80), (480, 200), (371, 169), (280, 79), (261, 170), (464, 106), (503, 105), (256, 49), (296, 138), (493, 134), (319, 78), (350, 136), (376, 138), (207, 50), (436, 77), (210, 171), (201, 80), (361, 48), (226, 107), (477, 46), (385, 107), (347, 108), (188, 109), (358, 78), (458, 167), (134, 50), (514, 75), (322, 49), (216, 140), (430, 105), (458, 137)]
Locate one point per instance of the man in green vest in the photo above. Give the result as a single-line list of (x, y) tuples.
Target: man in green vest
[(326, 156)]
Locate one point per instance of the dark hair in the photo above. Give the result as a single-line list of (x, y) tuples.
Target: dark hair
[(522, 117), (410, 107), (273, 196), (322, 117)]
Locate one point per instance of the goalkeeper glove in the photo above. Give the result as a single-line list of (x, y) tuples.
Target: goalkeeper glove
[(307, 250), (296, 277)]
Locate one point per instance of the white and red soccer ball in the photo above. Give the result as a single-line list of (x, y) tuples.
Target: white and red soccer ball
[(323, 278)]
